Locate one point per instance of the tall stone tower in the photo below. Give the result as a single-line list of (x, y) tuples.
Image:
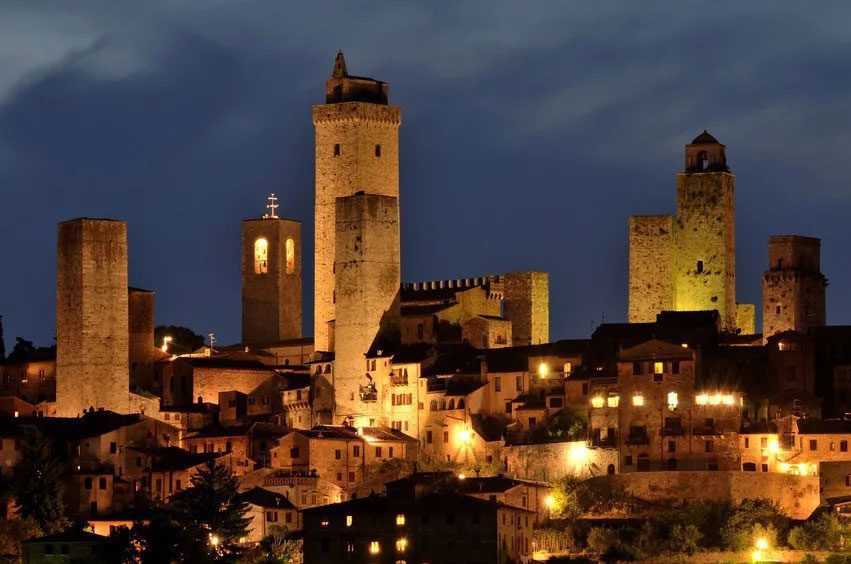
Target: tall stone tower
[(367, 281), (793, 287), (271, 278), (705, 264), (527, 306), (688, 262), (92, 317), (356, 150), (141, 306)]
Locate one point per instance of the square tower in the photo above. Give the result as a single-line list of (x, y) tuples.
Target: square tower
[(793, 287), (651, 264), (367, 282), (356, 150), (527, 306), (705, 257), (92, 317), (271, 280)]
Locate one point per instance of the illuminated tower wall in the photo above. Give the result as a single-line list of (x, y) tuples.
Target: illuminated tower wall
[(92, 317), (271, 281), (356, 150)]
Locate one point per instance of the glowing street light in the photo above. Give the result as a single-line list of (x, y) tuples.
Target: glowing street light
[(215, 541), (166, 340), (464, 436)]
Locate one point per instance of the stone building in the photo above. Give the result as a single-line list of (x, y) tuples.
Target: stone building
[(793, 287), (92, 317), (142, 353), (357, 150), (688, 262), (271, 279)]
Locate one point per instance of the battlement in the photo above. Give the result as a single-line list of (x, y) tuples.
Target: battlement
[(494, 284)]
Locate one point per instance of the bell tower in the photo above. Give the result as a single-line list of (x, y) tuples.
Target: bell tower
[(271, 278), (705, 258), (356, 151)]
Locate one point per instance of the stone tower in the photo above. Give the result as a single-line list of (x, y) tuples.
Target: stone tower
[(141, 306), (92, 317), (356, 150), (705, 265), (367, 281), (793, 287), (271, 279), (688, 262), (527, 306)]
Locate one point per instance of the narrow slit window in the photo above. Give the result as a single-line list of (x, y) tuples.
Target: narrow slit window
[(337, 150), (378, 150), (699, 266)]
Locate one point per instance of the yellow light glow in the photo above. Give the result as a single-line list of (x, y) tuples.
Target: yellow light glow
[(702, 399), (214, 540), (261, 256), (638, 400), (374, 547), (613, 401), (17, 414), (728, 399), (401, 544), (349, 520), (464, 436), (658, 367), (756, 556), (462, 477), (597, 401), (577, 454), (400, 519), (761, 543), (549, 502), (543, 370), (715, 399), (783, 467), (773, 446), (166, 341), (673, 400), (684, 345)]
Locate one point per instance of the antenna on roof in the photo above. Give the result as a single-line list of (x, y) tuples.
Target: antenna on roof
[(272, 206)]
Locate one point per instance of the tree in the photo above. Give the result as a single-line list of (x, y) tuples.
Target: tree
[(751, 519), (183, 340), (277, 548), (685, 538), (37, 483), (15, 531), (822, 532), (564, 425), (602, 540), (213, 517), (160, 540)]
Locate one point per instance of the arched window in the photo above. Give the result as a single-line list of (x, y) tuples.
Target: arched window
[(261, 256), (611, 469), (290, 248), (451, 404), (433, 405), (702, 161), (461, 403)]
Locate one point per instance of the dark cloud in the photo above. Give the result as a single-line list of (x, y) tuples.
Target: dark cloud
[(530, 134)]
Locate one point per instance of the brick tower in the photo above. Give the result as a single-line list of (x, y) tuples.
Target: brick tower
[(356, 150), (92, 317), (271, 278), (793, 287), (367, 282), (705, 264)]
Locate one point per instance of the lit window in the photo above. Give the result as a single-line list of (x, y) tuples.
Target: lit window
[(613, 401), (728, 399), (701, 399), (401, 544), (400, 519), (638, 400), (349, 520), (374, 547), (715, 399), (673, 400), (324, 523), (658, 367), (568, 367), (543, 370), (597, 401), (290, 249), (261, 256)]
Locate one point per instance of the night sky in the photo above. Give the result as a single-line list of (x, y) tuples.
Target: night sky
[(530, 133)]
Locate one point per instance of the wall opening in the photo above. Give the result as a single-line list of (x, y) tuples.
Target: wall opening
[(337, 150), (261, 256), (290, 255), (699, 267)]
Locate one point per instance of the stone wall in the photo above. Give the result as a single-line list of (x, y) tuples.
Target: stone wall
[(553, 461), (527, 306), (271, 300), (651, 256), (141, 338), (746, 319), (367, 272), (796, 496), (705, 261), (356, 149), (92, 317)]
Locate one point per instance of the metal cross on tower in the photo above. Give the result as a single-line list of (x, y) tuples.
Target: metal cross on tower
[(272, 206)]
